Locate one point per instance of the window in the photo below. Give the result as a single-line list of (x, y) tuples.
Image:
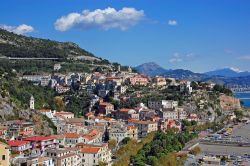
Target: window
[(3, 157)]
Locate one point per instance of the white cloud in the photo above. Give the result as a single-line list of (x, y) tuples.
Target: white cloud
[(20, 29), (103, 19), (176, 58), (172, 22)]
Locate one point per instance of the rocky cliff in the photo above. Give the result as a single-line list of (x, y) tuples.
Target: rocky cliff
[(10, 111), (228, 103)]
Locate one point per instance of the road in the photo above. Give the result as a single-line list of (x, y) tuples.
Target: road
[(240, 131), (226, 150)]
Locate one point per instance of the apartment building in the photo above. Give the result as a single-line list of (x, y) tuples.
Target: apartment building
[(64, 157), (93, 154), (157, 105)]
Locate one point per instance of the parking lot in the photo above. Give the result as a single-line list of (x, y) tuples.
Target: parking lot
[(242, 131)]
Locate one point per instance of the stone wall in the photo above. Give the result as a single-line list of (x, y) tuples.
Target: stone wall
[(228, 103)]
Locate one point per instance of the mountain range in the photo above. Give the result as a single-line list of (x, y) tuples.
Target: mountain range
[(226, 76), (228, 72)]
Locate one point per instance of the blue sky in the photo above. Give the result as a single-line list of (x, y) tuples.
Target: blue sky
[(199, 35)]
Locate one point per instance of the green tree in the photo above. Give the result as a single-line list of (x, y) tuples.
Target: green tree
[(112, 144)]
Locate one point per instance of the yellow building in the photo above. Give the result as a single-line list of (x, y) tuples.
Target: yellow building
[(4, 154)]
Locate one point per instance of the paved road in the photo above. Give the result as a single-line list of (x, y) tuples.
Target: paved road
[(229, 150), (243, 131)]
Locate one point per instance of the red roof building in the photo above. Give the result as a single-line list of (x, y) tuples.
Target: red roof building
[(19, 146)]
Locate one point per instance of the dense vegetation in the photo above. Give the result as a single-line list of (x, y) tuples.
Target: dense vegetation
[(130, 149), (39, 66), (21, 91), (161, 147), (78, 104), (27, 66), (222, 89), (13, 45)]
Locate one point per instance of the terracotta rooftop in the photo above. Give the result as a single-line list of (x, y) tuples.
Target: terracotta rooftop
[(105, 104), (71, 135), (90, 114), (58, 136), (131, 127), (90, 149), (124, 110), (92, 134)]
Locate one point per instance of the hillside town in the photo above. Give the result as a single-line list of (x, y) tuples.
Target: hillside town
[(112, 118)]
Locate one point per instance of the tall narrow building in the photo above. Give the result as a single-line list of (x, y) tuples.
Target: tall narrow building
[(32, 102)]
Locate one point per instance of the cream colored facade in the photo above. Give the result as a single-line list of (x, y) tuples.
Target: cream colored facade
[(132, 132), (145, 127), (4, 154), (94, 154)]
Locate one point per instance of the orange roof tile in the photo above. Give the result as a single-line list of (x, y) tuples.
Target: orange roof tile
[(71, 135), (91, 135), (124, 110), (58, 136), (90, 114), (90, 149), (105, 104), (131, 127)]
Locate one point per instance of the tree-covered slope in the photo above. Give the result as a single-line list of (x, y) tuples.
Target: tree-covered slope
[(13, 45)]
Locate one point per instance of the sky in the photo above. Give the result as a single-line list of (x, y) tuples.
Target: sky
[(199, 35)]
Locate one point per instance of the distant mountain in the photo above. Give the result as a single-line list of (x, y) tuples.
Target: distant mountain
[(13, 45), (228, 77), (153, 69), (228, 72), (150, 69), (184, 74)]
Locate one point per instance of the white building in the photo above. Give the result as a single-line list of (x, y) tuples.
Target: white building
[(145, 127), (118, 132), (64, 157), (177, 113), (57, 67), (32, 103), (34, 161), (169, 113), (93, 154), (45, 80), (157, 105), (186, 87)]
